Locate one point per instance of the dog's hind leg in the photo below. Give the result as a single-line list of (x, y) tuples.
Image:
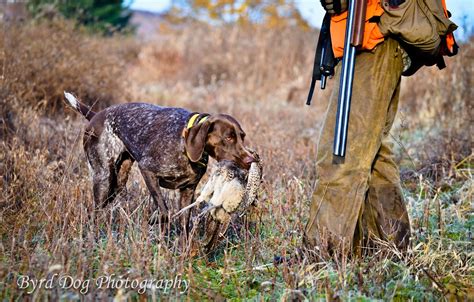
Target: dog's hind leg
[(122, 168), (109, 163), (105, 183)]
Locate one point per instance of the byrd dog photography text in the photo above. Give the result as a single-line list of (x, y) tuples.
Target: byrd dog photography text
[(31, 284)]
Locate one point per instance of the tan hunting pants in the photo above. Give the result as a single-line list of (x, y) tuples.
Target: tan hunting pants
[(360, 198)]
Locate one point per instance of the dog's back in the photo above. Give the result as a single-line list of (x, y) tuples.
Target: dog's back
[(148, 129), (145, 129)]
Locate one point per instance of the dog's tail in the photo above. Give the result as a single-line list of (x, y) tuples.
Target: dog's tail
[(83, 109)]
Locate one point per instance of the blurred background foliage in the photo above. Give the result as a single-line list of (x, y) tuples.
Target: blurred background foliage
[(273, 13), (108, 16), (105, 16)]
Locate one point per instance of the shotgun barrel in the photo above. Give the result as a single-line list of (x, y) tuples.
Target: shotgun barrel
[(353, 38)]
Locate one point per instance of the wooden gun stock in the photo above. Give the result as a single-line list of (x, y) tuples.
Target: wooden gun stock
[(359, 22)]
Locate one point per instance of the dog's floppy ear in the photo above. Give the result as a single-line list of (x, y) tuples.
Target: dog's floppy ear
[(195, 139)]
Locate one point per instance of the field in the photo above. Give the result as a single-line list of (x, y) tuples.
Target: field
[(259, 75)]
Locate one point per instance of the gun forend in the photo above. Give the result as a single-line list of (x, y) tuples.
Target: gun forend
[(359, 22)]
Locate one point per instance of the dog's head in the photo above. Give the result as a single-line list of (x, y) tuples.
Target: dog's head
[(222, 137)]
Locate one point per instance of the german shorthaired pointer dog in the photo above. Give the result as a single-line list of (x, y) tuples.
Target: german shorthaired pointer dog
[(170, 145)]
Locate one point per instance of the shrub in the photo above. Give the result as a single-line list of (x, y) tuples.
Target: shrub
[(100, 16)]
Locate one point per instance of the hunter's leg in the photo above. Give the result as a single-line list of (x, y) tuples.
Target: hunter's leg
[(343, 184), (385, 215), (386, 203)]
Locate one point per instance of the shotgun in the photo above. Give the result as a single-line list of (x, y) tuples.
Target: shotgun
[(324, 61), (353, 38)]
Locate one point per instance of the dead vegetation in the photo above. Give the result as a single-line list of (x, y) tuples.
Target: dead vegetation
[(249, 73), (41, 59)]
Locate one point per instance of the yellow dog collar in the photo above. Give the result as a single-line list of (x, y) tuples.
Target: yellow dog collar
[(193, 119), (191, 123)]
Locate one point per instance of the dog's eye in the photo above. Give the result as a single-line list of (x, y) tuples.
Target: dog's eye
[(230, 137)]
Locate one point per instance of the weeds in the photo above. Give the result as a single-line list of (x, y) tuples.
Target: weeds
[(42, 59)]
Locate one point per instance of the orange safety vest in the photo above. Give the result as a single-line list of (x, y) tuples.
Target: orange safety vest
[(449, 37), (372, 34)]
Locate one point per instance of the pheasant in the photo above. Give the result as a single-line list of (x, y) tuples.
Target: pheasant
[(229, 190)]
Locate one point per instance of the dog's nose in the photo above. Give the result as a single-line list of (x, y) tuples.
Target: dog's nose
[(249, 159)]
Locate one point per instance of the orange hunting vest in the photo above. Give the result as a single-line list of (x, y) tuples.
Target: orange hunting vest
[(450, 37), (372, 34)]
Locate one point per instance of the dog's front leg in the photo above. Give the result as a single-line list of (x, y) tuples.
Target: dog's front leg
[(186, 198), (159, 203)]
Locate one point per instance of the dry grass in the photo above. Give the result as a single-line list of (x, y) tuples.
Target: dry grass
[(437, 108), (42, 59), (255, 75)]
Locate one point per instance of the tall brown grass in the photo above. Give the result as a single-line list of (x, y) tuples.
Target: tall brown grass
[(258, 75), (42, 59), (439, 103), (255, 59)]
